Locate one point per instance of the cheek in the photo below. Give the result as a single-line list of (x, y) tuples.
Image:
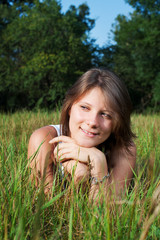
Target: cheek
[(109, 126), (75, 115), (108, 130), (74, 119)]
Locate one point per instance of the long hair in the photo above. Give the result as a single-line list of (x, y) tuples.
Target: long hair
[(115, 92)]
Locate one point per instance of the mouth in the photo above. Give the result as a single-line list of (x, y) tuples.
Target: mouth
[(91, 134)]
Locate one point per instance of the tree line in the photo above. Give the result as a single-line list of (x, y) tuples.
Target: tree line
[(43, 51)]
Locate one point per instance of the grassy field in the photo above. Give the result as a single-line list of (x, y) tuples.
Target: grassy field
[(26, 214)]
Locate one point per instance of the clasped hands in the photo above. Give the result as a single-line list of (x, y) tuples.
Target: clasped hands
[(92, 158)]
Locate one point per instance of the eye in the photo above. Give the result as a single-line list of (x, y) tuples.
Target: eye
[(106, 115), (83, 107)]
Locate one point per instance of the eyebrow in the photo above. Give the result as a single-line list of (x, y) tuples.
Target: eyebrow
[(104, 110), (85, 103)]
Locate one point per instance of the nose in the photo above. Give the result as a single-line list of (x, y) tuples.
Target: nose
[(93, 120)]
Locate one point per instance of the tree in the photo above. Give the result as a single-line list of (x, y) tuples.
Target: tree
[(145, 7), (136, 53), (42, 53)]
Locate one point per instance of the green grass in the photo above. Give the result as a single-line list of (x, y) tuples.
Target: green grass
[(26, 214)]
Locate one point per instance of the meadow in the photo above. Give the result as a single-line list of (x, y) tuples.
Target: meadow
[(25, 213)]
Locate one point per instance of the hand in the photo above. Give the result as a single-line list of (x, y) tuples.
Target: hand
[(67, 153), (78, 170), (67, 149)]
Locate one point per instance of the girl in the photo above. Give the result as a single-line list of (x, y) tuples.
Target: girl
[(94, 136)]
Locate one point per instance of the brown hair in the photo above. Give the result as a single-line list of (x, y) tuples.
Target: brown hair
[(115, 92)]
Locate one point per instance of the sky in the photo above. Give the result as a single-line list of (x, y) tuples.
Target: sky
[(104, 12)]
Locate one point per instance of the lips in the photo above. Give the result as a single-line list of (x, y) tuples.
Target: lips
[(91, 134)]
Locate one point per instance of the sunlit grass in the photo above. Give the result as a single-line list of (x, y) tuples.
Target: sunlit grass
[(26, 214)]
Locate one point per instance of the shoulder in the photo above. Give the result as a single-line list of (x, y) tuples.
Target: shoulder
[(43, 133), (123, 164), (120, 155)]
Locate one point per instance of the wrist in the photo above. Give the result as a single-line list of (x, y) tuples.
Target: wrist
[(94, 180), (99, 167)]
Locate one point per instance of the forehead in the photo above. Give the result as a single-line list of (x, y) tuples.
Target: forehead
[(94, 94)]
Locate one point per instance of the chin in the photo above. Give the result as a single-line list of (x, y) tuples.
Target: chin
[(86, 144)]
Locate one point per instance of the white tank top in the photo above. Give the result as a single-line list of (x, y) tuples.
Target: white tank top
[(58, 129)]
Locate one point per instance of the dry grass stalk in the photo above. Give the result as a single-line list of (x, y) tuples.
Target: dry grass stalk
[(153, 213)]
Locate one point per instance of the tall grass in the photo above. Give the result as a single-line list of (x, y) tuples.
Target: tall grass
[(26, 214)]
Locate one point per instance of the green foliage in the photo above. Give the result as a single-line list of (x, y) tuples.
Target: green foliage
[(145, 7), (42, 52), (11, 2), (135, 57), (156, 89), (26, 214)]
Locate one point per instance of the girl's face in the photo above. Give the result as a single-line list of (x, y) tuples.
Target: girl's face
[(90, 120)]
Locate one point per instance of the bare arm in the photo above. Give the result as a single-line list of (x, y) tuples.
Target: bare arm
[(41, 159), (124, 164), (40, 155), (81, 171), (120, 175), (72, 155)]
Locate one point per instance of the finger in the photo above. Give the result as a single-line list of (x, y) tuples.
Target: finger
[(58, 152), (61, 153), (70, 146), (66, 147), (64, 139), (65, 157), (71, 149)]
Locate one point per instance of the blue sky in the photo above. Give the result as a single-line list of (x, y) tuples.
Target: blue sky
[(105, 12)]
